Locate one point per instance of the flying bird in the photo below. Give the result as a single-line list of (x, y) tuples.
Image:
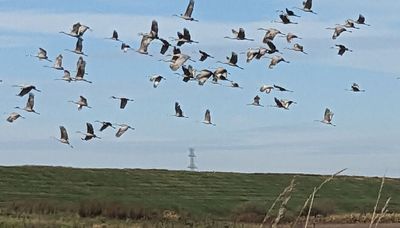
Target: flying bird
[(178, 110), (328, 115), (153, 34), (14, 116), (285, 19), (307, 7), (57, 63), (25, 89), (66, 77), (144, 44), (203, 76), (114, 36), (78, 47), (125, 47), (89, 132), (283, 103), (77, 30), (271, 47), (266, 88), (81, 70), (123, 101), (256, 101), (123, 128), (282, 89), (64, 136), (356, 88), (207, 118), (270, 34), (361, 20), (275, 60), (342, 49), (290, 37), (238, 35), (188, 73), (297, 47), (29, 104), (178, 60), (290, 13), (204, 56), (349, 23), (81, 103), (184, 38), (232, 61), (337, 31), (104, 125), (165, 46), (188, 13), (234, 85), (156, 79), (42, 55)]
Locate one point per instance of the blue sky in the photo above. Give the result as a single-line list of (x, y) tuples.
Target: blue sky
[(246, 139)]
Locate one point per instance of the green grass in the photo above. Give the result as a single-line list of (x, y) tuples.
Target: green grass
[(198, 194)]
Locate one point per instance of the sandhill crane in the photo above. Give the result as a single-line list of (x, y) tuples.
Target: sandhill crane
[(290, 13), (188, 73), (57, 63), (125, 47), (337, 31), (356, 88), (232, 61), (29, 104), (282, 89), (221, 74), (250, 54), (203, 76), (153, 31), (256, 101), (361, 20), (80, 70), (297, 47), (123, 100), (114, 36), (81, 103), (184, 38), (307, 7), (144, 44), (204, 56), (188, 13), (165, 46), (178, 111), (271, 47), (290, 37), (89, 132), (78, 47), (342, 49), (74, 31), (123, 128), (275, 60), (283, 103), (14, 116), (156, 79), (285, 19), (25, 89), (207, 118), (349, 23), (66, 77), (266, 88), (42, 55), (270, 34), (238, 35), (77, 30), (328, 115), (104, 125), (64, 136), (178, 60)]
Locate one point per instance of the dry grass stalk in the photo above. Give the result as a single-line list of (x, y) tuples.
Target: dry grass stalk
[(282, 209), (383, 212), (377, 202), (286, 192), (309, 197), (310, 207)]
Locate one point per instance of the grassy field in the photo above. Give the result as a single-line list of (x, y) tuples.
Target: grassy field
[(145, 194)]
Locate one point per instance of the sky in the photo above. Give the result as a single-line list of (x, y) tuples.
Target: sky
[(245, 138)]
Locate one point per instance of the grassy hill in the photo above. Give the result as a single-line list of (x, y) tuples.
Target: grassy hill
[(198, 195)]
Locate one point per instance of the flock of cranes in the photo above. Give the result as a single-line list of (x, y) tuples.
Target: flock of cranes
[(178, 60)]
